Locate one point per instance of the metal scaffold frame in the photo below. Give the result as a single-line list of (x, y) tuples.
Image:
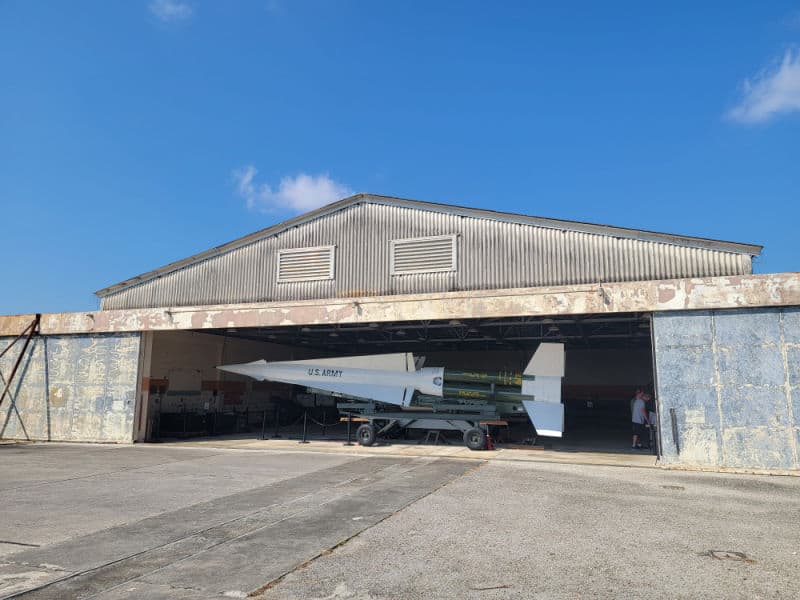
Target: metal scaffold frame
[(31, 330)]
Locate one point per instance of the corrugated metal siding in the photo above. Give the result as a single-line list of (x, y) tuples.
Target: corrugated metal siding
[(491, 254)]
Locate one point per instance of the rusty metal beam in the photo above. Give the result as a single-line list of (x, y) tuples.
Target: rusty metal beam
[(24, 332), (781, 289), (28, 334)]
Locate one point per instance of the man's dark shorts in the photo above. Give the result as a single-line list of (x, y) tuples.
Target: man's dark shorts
[(639, 429)]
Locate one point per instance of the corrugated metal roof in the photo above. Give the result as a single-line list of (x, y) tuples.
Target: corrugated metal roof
[(494, 249)]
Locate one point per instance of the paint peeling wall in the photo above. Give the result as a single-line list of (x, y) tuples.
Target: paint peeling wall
[(732, 378), (72, 388), (777, 289)]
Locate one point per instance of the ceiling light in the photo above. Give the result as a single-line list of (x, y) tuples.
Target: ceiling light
[(305, 330), (333, 334), (400, 332)]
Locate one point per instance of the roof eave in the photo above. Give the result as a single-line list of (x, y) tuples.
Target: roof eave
[(232, 245)]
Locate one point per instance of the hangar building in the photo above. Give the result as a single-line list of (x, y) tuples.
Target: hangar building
[(467, 288)]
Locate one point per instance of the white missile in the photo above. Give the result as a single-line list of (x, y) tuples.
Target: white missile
[(393, 379), (389, 378)]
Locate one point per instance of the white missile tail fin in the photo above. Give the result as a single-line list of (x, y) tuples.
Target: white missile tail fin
[(547, 360), (542, 380), (547, 417)]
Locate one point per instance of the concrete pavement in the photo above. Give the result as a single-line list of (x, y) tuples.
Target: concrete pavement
[(545, 530), (296, 521), (85, 521)]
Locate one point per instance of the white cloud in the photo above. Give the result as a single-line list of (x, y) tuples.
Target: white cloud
[(170, 11), (296, 194), (774, 91)]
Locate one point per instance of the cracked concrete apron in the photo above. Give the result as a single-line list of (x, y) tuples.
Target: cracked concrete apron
[(231, 545)]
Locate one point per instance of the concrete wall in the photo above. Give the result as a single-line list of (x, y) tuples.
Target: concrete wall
[(72, 388), (733, 380), (709, 293)]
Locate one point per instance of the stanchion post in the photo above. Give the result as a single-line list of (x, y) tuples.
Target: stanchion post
[(264, 425), (305, 427), (277, 414)]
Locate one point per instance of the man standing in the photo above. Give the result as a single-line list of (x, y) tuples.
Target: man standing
[(639, 419)]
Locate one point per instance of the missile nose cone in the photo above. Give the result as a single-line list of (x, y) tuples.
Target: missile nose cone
[(254, 369)]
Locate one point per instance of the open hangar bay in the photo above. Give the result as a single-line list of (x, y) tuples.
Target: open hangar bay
[(468, 289), (607, 357)]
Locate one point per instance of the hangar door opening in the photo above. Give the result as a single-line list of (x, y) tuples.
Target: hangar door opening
[(184, 395), (607, 358)]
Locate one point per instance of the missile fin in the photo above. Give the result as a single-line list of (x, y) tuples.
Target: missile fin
[(547, 360), (408, 395), (544, 388), (547, 417), (397, 395)]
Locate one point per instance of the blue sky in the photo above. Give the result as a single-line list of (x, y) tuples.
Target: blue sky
[(134, 133)]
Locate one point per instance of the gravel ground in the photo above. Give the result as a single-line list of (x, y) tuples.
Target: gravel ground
[(535, 530)]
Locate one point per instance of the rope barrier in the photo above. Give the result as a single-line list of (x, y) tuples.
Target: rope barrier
[(326, 425)]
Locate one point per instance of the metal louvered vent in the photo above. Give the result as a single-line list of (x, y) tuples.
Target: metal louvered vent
[(305, 264), (424, 255)]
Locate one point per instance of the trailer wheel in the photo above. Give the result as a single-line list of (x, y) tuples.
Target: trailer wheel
[(365, 434), (475, 439)]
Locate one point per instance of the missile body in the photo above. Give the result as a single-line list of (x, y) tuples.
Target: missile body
[(387, 378), (393, 379)]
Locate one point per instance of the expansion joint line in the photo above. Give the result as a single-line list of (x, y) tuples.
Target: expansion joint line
[(277, 580)]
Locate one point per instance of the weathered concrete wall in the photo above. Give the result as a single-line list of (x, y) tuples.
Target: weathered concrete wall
[(72, 388), (733, 380), (778, 289)]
